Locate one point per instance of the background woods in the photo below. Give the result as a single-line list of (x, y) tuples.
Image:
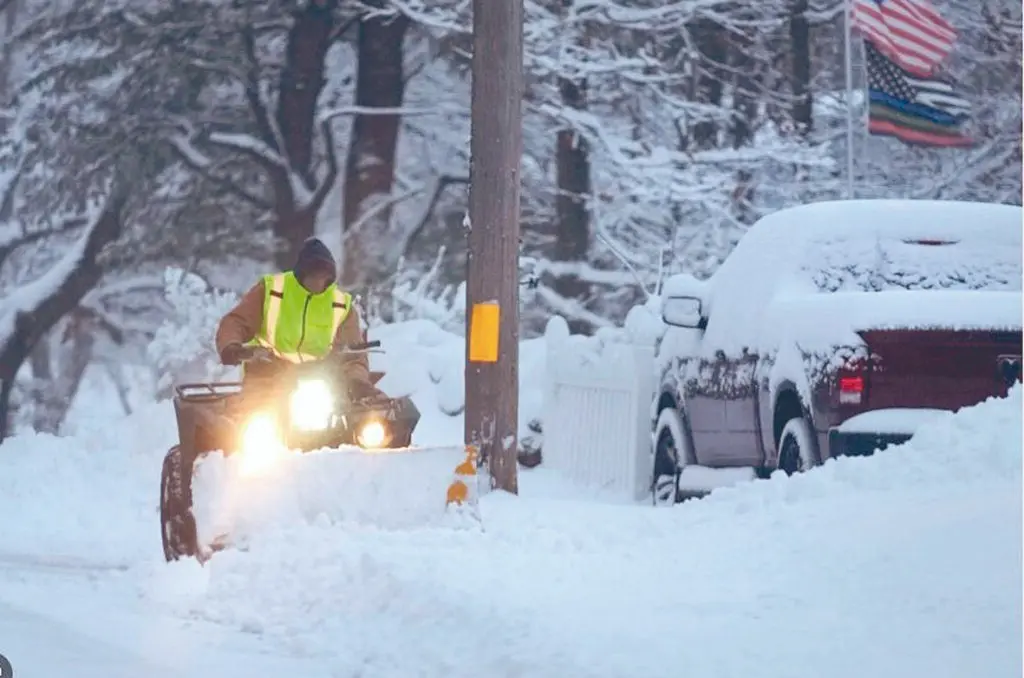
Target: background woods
[(214, 136)]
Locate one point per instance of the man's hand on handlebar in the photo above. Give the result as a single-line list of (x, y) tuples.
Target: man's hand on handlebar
[(236, 354), (260, 354)]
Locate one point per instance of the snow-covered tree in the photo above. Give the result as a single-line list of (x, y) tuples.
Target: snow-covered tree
[(182, 348), (655, 132)]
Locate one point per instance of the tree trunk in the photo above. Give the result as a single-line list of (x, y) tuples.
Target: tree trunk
[(302, 81), (745, 91), (8, 20), (744, 122), (800, 48), (370, 166), (79, 356), (117, 377), (293, 226), (572, 235), (712, 42), (55, 395), (42, 376), (32, 323)]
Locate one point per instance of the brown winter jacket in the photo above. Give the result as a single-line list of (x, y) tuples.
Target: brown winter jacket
[(243, 322)]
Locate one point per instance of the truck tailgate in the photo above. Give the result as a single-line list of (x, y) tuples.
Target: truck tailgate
[(944, 369)]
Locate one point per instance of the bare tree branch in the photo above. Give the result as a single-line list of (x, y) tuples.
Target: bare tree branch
[(442, 183), (102, 321), (7, 199), (198, 162), (329, 180), (12, 246), (332, 113), (341, 29), (250, 146)]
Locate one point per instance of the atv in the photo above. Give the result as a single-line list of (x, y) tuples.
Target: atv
[(299, 406)]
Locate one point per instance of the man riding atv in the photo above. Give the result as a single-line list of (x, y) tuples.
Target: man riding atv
[(306, 386), (296, 316)]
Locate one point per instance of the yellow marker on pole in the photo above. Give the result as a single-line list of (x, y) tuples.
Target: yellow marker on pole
[(483, 332)]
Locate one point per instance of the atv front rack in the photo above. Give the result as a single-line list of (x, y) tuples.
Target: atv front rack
[(207, 391)]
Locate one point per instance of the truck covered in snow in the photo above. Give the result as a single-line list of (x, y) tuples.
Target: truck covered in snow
[(834, 329)]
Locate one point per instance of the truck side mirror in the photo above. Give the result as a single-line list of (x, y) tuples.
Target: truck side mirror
[(682, 312)]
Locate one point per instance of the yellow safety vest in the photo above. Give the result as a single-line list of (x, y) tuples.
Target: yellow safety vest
[(299, 326)]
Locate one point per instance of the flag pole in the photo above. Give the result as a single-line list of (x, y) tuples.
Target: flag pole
[(848, 57)]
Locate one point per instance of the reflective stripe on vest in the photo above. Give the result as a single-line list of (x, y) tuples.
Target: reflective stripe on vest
[(299, 326)]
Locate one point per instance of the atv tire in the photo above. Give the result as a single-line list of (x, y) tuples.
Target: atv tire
[(177, 523)]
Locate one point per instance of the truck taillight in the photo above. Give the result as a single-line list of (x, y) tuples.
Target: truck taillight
[(852, 382), (851, 389)]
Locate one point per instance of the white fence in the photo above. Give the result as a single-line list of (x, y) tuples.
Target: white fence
[(597, 400)]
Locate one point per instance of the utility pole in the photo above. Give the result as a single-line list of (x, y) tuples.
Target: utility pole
[(492, 286)]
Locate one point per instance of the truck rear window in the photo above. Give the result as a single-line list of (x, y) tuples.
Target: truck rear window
[(891, 264)]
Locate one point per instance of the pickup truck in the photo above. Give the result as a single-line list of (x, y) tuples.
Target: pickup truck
[(834, 328)]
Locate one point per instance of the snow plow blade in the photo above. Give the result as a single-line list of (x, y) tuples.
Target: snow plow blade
[(233, 501)]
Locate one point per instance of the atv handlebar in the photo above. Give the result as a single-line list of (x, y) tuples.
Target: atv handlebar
[(257, 354), (262, 354), (356, 348)]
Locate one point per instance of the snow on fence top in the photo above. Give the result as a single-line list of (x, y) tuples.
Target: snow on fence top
[(602, 351), (836, 267)]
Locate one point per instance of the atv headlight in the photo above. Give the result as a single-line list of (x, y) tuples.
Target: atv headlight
[(372, 435), (312, 405), (261, 444)]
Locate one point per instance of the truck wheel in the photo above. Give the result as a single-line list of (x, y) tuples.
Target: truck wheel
[(671, 454), (796, 447)]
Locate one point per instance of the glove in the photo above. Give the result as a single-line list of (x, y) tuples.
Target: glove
[(236, 354)]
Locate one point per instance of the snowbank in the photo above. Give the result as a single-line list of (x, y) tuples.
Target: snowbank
[(907, 563), (92, 496), (954, 451), (903, 564)]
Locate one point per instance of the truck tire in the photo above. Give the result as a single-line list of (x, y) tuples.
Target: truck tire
[(797, 448), (672, 453)]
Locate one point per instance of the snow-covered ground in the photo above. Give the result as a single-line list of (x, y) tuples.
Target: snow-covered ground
[(907, 564)]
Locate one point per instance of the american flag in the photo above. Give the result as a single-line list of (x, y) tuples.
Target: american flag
[(919, 111), (910, 32)]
